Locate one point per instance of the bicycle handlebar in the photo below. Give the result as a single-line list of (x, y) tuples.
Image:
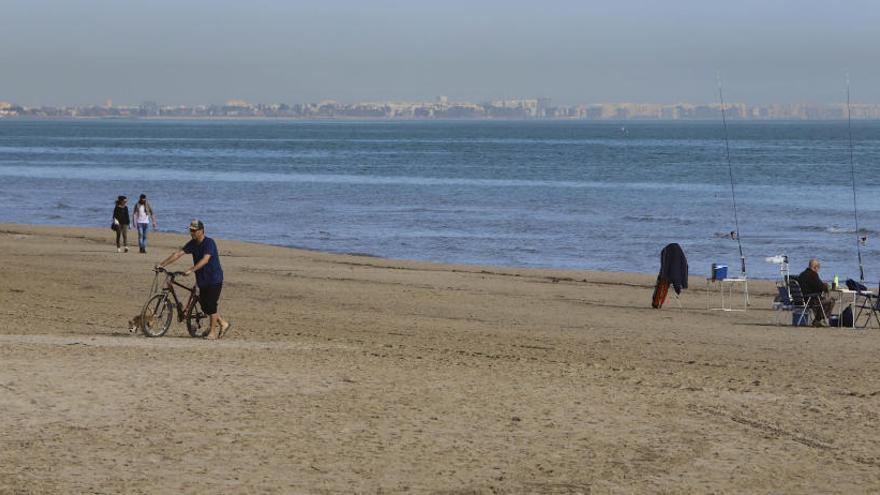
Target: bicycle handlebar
[(159, 269)]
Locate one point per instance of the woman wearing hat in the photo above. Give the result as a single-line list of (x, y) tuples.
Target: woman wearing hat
[(120, 223)]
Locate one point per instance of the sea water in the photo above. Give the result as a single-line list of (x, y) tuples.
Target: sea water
[(557, 194)]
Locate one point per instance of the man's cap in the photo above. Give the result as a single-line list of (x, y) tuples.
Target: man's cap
[(121, 198), (143, 196), (196, 225)]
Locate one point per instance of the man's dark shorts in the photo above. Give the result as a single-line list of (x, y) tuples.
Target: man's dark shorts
[(209, 296)]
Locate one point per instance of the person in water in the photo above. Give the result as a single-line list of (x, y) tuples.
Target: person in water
[(811, 283)]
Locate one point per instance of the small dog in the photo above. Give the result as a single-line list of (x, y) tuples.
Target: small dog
[(136, 324)]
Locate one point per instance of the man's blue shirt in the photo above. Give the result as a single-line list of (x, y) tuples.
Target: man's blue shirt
[(210, 274)]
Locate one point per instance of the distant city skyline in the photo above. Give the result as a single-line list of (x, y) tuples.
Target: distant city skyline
[(444, 108), (234, 101), (202, 52)]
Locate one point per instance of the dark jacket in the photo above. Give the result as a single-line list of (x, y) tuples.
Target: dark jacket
[(811, 283), (674, 267), (120, 213)]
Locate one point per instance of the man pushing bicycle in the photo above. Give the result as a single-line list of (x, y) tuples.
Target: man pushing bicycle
[(209, 275)]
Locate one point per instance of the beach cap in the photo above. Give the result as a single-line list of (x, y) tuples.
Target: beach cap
[(196, 225), (143, 196), (121, 198)]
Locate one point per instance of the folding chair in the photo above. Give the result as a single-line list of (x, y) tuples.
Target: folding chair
[(868, 304), (677, 299), (661, 291), (783, 301), (673, 272), (804, 302)]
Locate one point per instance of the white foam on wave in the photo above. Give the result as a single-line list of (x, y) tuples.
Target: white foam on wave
[(119, 173)]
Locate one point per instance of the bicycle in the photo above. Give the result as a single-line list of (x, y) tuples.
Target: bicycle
[(160, 308)]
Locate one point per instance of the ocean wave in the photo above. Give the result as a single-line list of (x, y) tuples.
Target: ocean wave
[(616, 141), (834, 229), (141, 173), (195, 152), (610, 142), (659, 219)]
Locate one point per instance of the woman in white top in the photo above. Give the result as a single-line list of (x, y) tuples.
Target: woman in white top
[(143, 216)]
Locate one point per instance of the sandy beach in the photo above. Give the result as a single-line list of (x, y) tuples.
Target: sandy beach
[(353, 374)]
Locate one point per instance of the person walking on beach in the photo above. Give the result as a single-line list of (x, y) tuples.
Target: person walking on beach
[(811, 283), (209, 275), (120, 223), (143, 215)]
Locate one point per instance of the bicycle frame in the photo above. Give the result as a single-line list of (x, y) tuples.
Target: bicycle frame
[(182, 310), (157, 315)]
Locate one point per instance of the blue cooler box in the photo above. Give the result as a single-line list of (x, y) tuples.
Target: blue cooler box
[(719, 272), (800, 318)]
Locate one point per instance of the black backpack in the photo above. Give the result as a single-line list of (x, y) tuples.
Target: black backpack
[(846, 317), (853, 285)]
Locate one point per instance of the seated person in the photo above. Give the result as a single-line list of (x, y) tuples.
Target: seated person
[(811, 284)]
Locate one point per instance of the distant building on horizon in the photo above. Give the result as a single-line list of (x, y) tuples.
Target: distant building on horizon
[(442, 108)]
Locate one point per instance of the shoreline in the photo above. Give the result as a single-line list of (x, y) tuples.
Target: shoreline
[(347, 374), (699, 278), (96, 235)]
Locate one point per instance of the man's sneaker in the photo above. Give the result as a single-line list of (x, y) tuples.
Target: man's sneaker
[(118, 250), (126, 249)]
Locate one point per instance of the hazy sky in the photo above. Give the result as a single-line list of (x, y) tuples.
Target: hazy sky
[(185, 51)]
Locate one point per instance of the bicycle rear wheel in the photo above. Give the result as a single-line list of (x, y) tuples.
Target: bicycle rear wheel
[(198, 324), (156, 316)]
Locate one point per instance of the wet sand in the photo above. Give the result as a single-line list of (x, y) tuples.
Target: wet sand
[(351, 374)]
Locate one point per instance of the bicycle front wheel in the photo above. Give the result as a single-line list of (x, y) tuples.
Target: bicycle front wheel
[(198, 324), (156, 316)]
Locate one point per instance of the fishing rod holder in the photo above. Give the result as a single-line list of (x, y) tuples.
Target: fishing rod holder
[(782, 261)]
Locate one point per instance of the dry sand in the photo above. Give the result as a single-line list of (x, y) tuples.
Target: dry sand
[(348, 374)]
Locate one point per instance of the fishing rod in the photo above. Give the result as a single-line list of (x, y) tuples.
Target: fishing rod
[(742, 258), (852, 168)]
